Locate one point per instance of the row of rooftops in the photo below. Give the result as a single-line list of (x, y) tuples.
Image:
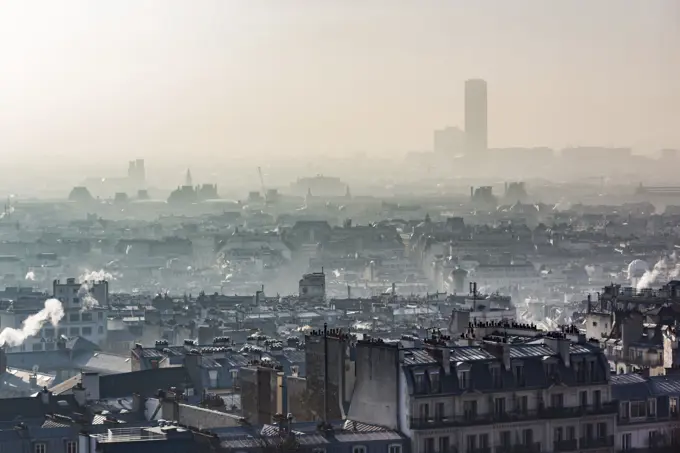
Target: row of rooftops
[(424, 356)]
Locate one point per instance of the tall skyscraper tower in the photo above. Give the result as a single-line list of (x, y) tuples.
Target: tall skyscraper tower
[(476, 115)]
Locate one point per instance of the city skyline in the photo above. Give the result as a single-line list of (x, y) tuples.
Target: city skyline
[(210, 79)]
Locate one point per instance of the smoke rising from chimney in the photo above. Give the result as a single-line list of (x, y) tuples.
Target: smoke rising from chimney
[(96, 276), (53, 313), (88, 302), (664, 269)]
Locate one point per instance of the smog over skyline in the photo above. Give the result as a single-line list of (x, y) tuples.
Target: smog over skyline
[(310, 226), (173, 81)]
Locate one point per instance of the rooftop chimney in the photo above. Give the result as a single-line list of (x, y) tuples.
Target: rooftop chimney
[(506, 356), (45, 396), (137, 403), (3, 360), (91, 383), (500, 349), (79, 394), (446, 360), (558, 342)]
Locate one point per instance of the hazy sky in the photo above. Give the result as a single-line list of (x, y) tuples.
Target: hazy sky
[(151, 78)]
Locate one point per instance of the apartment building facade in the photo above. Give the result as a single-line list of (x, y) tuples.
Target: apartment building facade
[(649, 413), (546, 395)]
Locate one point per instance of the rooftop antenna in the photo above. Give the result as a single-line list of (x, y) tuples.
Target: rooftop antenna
[(473, 291)]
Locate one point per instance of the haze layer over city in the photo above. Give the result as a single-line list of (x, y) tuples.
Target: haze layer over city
[(316, 86), (340, 226)]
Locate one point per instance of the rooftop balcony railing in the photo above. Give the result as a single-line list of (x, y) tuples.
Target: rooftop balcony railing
[(117, 435)]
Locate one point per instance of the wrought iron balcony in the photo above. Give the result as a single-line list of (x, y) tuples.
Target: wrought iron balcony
[(596, 442), (516, 416), (534, 447), (480, 450), (566, 445), (672, 415)]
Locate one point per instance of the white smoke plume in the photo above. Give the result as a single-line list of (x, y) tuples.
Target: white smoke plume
[(30, 275), (53, 312), (87, 301), (649, 278), (674, 274), (99, 275)]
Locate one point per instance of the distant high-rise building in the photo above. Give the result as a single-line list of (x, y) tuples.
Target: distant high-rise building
[(188, 181), (136, 173), (141, 172), (476, 115), (450, 140)]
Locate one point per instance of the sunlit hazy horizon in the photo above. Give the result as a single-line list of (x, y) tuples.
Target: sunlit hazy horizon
[(255, 78)]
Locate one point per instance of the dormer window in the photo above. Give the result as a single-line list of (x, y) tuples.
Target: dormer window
[(496, 377), (580, 370), (651, 407), (435, 382), (550, 369), (518, 372), (638, 409), (419, 379), (464, 379), (624, 410)]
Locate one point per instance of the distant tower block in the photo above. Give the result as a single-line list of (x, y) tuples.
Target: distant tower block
[(136, 173), (476, 115), (188, 181), (141, 171)]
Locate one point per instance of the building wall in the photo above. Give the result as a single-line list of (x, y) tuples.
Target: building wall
[(315, 370), (375, 398), (259, 394), (296, 400)]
